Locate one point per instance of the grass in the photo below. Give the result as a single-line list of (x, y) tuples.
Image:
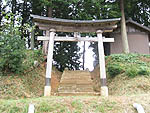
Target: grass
[(77, 104), (24, 85), (124, 85), (130, 64)]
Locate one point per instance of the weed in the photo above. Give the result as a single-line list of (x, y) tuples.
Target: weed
[(77, 105), (14, 109), (45, 107), (100, 108), (143, 70), (132, 71), (114, 69)]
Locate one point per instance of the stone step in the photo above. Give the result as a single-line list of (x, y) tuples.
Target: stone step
[(76, 83), (75, 87), (78, 94), (76, 77), (73, 77), (79, 82)]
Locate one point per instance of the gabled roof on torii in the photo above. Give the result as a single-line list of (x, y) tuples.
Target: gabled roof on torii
[(65, 25)]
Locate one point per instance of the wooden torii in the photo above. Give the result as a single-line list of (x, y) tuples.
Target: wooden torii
[(53, 25)]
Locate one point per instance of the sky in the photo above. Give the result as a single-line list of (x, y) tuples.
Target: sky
[(88, 55)]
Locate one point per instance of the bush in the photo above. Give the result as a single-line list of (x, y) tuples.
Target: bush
[(31, 56), (143, 70), (114, 69), (132, 71), (38, 55), (12, 52), (126, 58)]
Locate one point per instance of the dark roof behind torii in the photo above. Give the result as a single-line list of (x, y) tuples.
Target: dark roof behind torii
[(65, 25), (138, 25)]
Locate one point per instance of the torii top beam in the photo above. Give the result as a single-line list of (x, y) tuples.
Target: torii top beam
[(83, 26)]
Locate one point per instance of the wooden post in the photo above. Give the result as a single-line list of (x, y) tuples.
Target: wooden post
[(47, 89), (45, 44), (104, 88)]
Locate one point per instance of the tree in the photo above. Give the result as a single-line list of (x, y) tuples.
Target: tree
[(138, 10), (0, 11), (65, 54), (123, 29), (12, 47)]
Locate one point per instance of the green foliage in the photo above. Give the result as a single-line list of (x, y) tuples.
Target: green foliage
[(45, 107), (38, 55), (130, 58), (72, 9), (131, 64), (66, 55), (12, 47), (48, 107), (11, 52), (143, 70), (77, 105), (31, 56), (114, 69), (132, 71)]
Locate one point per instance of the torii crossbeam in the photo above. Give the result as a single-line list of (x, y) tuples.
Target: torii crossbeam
[(53, 25)]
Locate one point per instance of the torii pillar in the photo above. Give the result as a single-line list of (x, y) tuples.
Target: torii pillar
[(47, 89), (104, 88), (61, 25)]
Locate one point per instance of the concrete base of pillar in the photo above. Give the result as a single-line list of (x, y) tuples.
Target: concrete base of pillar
[(47, 90), (104, 91)]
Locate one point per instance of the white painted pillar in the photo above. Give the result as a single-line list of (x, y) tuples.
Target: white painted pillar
[(45, 44), (104, 88), (47, 89), (31, 108)]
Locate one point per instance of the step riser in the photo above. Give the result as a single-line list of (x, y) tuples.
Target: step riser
[(76, 83), (78, 94)]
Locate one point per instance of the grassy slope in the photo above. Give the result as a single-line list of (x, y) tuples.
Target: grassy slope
[(22, 86), (80, 104), (124, 85), (27, 84), (124, 90), (128, 74)]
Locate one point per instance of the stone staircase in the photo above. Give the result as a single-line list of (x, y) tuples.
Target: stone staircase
[(76, 83)]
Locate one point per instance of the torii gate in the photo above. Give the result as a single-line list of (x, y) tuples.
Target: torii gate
[(53, 25)]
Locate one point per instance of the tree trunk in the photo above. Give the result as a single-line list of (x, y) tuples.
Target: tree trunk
[(84, 56), (0, 13), (32, 39), (49, 12), (123, 29), (13, 9), (45, 43)]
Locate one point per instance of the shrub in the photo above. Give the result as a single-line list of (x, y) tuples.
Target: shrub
[(126, 58), (38, 55), (12, 46), (132, 71), (143, 70), (11, 52), (114, 69)]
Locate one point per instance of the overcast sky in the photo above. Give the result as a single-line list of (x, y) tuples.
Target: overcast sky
[(88, 55)]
